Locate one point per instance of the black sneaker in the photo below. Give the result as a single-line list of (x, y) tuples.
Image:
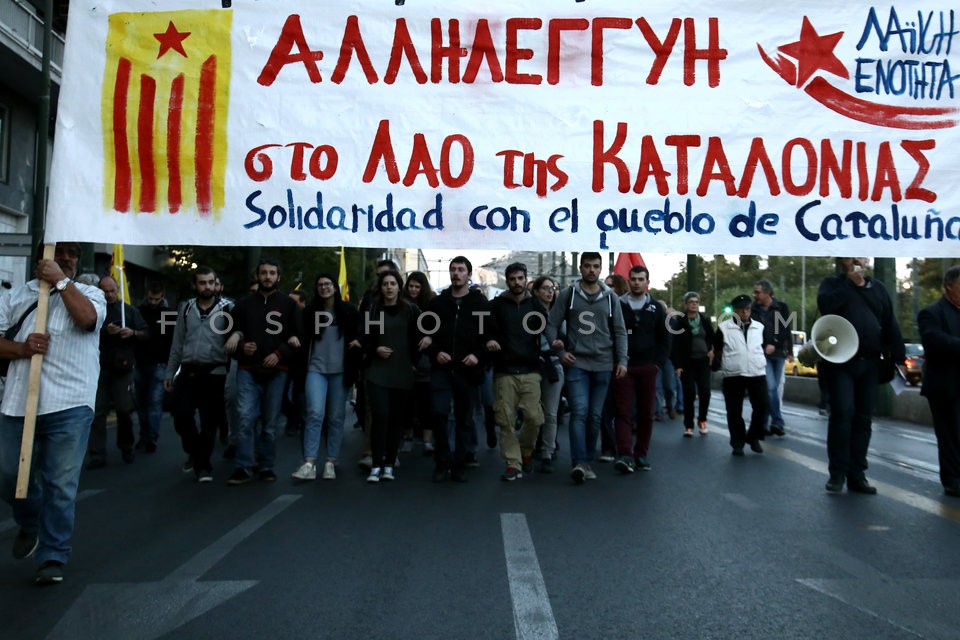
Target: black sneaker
[(526, 464), (471, 460), (835, 483), (25, 544), (150, 446), (267, 475), (127, 455), (625, 465), (50, 572), (239, 476), (546, 465)]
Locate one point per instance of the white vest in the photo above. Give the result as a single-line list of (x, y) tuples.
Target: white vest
[(742, 356)]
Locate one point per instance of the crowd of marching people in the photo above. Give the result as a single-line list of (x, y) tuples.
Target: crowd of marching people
[(440, 368), (432, 368)]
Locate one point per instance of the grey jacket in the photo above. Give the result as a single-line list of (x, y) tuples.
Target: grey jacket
[(589, 325), (197, 341)]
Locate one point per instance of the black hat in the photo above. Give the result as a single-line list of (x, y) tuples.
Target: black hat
[(741, 302)]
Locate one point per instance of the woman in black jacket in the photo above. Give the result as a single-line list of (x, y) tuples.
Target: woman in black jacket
[(392, 347), (692, 356)]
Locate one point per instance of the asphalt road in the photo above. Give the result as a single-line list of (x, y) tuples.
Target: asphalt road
[(704, 545)]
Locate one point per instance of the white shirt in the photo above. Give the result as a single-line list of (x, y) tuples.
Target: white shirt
[(71, 366)]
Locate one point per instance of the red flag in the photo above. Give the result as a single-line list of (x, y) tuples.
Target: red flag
[(625, 261)]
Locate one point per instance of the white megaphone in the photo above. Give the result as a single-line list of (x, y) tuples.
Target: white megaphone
[(833, 339)]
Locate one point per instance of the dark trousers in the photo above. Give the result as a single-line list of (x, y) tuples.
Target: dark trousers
[(853, 394), (696, 383), (113, 392), (203, 393), (634, 395), (608, 432), (389, 407), (946, 424), (735, 388), (450, 386)]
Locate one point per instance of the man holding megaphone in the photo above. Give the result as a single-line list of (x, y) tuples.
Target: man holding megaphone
[(865, 304)]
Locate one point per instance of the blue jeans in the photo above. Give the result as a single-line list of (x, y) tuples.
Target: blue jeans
[(148, 387), (60, 442), (450, 387), (667, 389), (258, 397), (586, 392), (326, 398), (775, 366)]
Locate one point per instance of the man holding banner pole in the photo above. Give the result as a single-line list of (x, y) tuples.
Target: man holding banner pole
[(68, 380)]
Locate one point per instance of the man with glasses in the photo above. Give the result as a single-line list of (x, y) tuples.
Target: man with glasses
[(595, 349), (692, 355), (70, 348)]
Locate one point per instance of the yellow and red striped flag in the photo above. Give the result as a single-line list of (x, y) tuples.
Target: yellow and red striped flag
[(118, 271), (342, 279), (164, 110)]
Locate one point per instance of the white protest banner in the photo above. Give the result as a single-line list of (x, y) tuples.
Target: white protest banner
[(815, 128)]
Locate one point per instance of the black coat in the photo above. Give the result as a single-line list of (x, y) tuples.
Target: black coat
[(939, 326), (683, 339)]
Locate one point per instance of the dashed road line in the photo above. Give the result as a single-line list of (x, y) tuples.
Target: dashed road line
[(532, 613)]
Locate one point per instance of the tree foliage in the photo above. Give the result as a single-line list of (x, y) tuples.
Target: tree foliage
[(299, 267)]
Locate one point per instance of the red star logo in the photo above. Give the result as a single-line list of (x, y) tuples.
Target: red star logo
[(813, 52), (171, 39)]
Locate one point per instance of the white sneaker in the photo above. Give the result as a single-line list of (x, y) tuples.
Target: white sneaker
[(588, 473), (329, 472), (307, 471), (374, 475), (387, 473), (365, 462)]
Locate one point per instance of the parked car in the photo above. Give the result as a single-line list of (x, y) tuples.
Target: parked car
[(794, 367), (913, 365)]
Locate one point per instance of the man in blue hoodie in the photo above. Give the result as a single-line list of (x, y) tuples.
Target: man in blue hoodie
[(595, 351)]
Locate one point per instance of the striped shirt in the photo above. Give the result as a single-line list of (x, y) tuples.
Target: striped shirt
[(71, 366)]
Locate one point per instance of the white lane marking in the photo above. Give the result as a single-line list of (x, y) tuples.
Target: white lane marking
[(10, 523), (909, 498), (151, 610), (532, 613), (209, 557), (741, 501)]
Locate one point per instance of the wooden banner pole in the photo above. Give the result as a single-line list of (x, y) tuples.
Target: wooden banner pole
[(33, 388)]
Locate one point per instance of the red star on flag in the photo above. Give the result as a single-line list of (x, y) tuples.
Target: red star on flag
[(171, 39), (813, 52)]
